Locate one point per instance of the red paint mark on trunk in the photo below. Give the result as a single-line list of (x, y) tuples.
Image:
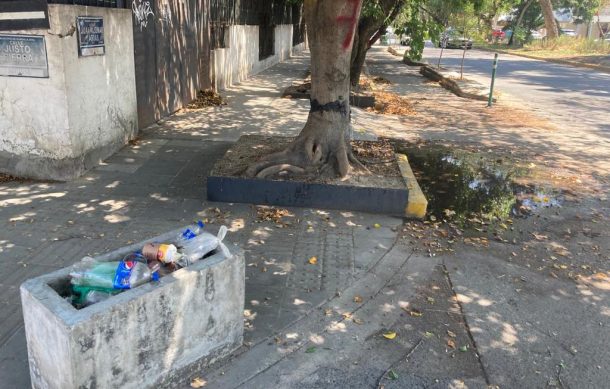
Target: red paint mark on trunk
[(351, 21)]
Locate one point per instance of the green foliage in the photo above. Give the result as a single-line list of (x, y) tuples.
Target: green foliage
[(582, 10), (413, 23), (372, 9), (427, 19)]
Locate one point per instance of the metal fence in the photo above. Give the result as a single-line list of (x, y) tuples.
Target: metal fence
[(94, 3), (250, 12), (263, 13)]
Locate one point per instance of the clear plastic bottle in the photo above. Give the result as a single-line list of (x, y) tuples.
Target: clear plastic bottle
[(95, 296), (189, 233), (130, 274), (125, 274), (197, 247)]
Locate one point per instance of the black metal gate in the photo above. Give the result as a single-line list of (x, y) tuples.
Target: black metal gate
[(172, 55)]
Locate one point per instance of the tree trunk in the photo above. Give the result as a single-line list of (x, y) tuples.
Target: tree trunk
[(322, 147), (361, 47), (368, 32), (552, 30)]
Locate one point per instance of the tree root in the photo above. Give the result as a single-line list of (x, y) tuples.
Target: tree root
[(305, 158), (274, 169)]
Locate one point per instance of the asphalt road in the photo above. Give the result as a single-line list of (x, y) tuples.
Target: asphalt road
[(571, 97)]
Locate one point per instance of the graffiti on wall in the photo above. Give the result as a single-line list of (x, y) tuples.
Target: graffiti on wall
[(141, 11)]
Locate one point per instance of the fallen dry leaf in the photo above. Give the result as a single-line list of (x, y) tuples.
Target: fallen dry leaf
[(451, 333), (206, 98), (389, 335), (313, 261), (450, 343), (539, 236), (198, 383), (357, 299), (415, 313)]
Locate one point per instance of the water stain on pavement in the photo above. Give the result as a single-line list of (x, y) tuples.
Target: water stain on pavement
[(462, 184)]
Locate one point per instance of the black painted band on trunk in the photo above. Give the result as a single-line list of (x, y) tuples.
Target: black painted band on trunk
[(334, 106)]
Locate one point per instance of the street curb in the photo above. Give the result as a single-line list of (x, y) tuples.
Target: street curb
[(417, 203), (600, 68), (452, 85)]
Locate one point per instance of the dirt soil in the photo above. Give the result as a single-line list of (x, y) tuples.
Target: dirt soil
[(378, 157), (9, 178)]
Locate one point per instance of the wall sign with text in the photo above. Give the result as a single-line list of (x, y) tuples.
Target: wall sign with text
[(90, 35), (23, 56)]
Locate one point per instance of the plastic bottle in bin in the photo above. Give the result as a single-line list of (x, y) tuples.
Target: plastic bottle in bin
[(83, 296), (197, 247), (189, 233), (125, 274)]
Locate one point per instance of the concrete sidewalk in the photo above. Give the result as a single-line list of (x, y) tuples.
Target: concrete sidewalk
[(464, 319)]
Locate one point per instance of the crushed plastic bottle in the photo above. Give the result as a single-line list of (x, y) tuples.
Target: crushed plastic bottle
[(166, 253), (124, 274), (189, 233), (197, 247)]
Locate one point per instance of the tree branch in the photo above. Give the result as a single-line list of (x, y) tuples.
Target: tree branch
[(433, 16)]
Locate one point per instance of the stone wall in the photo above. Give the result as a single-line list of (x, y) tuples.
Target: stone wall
[(57, 127), (240, 58)]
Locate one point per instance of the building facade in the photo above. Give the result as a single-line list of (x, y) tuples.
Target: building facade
[(79, 78)]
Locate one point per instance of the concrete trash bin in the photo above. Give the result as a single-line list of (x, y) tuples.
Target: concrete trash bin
[(150, 336)]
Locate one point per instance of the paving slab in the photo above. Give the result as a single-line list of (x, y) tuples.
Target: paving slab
[(532, 330)]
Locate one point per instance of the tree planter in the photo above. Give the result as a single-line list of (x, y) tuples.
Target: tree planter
[(150, 336), (395, 195)]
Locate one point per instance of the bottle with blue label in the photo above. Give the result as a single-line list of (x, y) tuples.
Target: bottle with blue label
[(189, 233), (125, 274)]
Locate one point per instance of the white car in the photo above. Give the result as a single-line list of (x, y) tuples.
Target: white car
[(536, 35), (568, 32)]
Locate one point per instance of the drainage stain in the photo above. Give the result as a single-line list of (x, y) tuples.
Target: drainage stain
[(462, 184)]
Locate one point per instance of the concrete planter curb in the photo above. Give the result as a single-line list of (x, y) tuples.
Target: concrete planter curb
[(402, 198), (464, 88), (150, 336)]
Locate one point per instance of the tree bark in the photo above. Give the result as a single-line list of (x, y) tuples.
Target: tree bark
[(365, 30), (552, 30), (322, 147), (519, 19), (368, 31)]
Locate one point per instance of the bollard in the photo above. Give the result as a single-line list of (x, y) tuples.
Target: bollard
[(493, 79)]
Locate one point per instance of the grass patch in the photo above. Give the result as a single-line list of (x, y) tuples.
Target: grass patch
[(568, 46), (562, 47)]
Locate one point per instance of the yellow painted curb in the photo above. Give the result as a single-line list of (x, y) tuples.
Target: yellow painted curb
[(417, 203)]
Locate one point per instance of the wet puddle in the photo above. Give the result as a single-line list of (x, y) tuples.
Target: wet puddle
[(461, 184)]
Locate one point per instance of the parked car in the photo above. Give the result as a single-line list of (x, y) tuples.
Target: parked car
[(498, 34), (455, 40), (568, 32), (405, 40), (536, 35)]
